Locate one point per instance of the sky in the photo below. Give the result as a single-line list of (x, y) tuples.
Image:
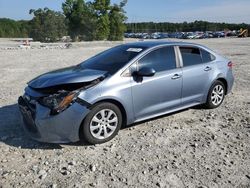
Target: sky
[(231, 11)]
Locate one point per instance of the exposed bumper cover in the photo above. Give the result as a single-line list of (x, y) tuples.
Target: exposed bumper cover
[(61, 128)]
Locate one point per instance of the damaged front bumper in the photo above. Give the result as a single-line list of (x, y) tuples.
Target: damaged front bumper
[(61, 128)]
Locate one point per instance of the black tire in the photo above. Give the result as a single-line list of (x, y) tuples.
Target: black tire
[(96, 109), (210, 104)]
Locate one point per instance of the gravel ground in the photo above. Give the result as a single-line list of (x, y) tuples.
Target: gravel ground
[(191, 148)]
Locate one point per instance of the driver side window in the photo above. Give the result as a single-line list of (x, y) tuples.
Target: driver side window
[(161, 59)]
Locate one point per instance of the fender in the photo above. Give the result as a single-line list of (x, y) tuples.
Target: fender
[(219, 76)]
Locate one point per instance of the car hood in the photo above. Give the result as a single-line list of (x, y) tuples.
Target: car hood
[(65, 76)]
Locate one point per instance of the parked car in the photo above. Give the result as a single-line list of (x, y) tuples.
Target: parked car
[(191, 35), (209, 34), (155, 36), (219, 34), (123, 85)]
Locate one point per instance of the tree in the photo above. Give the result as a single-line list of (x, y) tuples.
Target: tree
[(102, 8), (117, 18), (92, 20), (80, 19), (47, 25)]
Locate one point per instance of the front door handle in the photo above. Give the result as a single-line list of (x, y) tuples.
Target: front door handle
[(208, 68), (176, 76)]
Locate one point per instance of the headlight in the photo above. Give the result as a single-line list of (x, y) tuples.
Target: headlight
[(65, 102), (60, 101)]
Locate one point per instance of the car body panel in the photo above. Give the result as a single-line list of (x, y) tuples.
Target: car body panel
[(114, 89), (196, 81), (156, 94), (61, 128), (65, 76), (33, 93)]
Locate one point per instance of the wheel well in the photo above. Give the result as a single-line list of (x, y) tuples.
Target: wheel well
[(224, 82), (118, 104)]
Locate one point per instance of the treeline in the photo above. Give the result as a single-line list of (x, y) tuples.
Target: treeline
[(90, 20), (11, 28), (150, 27)]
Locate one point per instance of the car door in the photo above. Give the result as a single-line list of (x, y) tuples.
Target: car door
[(161, 92), (196, 74)]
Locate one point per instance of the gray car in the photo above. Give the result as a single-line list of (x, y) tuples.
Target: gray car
[(123, 85)]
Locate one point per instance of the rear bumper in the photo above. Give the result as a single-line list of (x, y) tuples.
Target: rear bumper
[(230, 82), (60, 128)]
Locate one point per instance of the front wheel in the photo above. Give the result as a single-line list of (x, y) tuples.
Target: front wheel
[(102, 123), (216, 95)]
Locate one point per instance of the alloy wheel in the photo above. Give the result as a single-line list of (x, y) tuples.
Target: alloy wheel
[(103, 124), (217, 95)]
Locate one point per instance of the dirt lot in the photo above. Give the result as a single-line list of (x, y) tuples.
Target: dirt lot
[(192, 148)]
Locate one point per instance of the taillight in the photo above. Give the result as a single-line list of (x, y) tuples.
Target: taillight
[(230, 64)]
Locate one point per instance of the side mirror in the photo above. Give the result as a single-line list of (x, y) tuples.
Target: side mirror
[(145, 72)]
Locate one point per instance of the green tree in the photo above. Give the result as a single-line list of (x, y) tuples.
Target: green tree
[(117, 18), (102, 8), (47, 25), (80, 19)]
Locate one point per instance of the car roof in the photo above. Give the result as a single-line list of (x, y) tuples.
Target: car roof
[(150, 44)]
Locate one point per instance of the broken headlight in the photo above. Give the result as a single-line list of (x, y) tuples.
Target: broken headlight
[(60, 101)]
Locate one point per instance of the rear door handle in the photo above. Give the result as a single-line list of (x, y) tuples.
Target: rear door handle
[(208, 68), (176, 76)]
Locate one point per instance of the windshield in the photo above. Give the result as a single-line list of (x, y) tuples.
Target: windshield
[(113, 59)]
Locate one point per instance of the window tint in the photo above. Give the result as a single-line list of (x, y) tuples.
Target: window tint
[(161, 59), (206, 56), (190, 56)]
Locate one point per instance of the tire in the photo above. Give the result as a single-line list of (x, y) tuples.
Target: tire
[(216, 95), (102, 123)]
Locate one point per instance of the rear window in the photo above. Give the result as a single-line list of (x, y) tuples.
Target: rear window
[(206, 56), (190, 56)]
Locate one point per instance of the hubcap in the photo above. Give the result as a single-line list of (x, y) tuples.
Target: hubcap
[(217, 95), (103, 124)]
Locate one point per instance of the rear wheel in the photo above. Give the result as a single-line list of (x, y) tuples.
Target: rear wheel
[(216, 95), (102, 123)]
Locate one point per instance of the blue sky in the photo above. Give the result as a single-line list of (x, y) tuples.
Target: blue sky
[(233, 11)]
